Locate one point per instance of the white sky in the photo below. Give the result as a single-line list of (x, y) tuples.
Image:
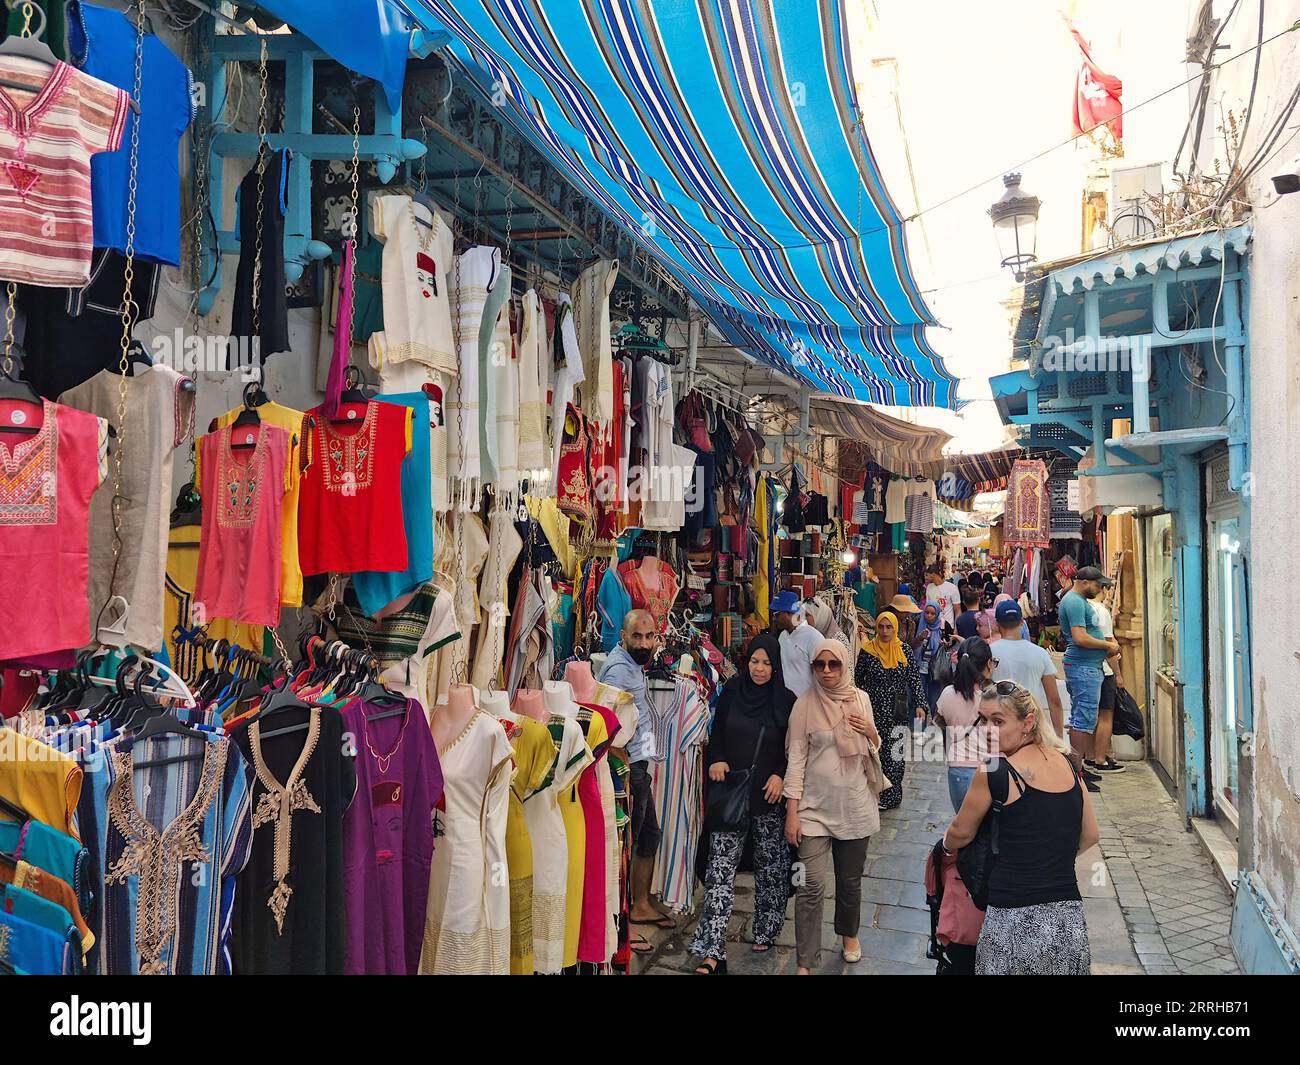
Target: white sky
[(983, 86)]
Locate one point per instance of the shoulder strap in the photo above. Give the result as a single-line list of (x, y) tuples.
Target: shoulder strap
[(762, 729), (999, 782), (1020, 781)]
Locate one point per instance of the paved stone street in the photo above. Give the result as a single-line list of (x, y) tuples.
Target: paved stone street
[(1153, 901)]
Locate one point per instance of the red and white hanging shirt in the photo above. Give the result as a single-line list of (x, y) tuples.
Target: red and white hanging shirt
[(47, 136)]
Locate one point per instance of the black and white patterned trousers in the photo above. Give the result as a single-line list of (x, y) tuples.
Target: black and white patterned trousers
[(771, 883)]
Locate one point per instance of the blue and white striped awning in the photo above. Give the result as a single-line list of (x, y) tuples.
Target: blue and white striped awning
[(722, 134)]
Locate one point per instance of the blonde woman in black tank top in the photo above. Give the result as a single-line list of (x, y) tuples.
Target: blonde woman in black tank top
[(1034, 924)]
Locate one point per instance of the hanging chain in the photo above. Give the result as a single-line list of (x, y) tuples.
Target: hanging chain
[(130, 309), (7, 364), (261, 194), (284, 651), (27, 18), (351, 232), (199, 148)]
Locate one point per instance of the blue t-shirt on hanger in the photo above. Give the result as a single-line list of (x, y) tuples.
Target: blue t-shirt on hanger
[(102, 43), (376, 590)]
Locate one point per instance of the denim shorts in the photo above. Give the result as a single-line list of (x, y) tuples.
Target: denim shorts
[(1084, 685), (959, 779)]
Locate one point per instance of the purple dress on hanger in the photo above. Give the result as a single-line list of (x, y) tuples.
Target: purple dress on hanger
[(388, 838)]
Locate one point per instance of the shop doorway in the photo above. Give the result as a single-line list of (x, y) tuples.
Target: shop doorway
[(1228, 636), (1229, 665)]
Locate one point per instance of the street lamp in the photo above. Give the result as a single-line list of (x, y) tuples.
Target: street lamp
[(1015, 223)]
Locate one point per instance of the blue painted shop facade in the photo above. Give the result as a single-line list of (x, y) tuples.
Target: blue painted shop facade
[(1138, 365)]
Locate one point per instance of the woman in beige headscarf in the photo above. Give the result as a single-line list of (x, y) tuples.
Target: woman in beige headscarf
[(832, 788)]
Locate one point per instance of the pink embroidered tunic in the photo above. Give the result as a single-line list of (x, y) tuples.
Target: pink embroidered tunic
[(46, 481), (243, 499)]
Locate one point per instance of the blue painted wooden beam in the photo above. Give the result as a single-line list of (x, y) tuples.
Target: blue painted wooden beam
[(1189, 523), (383, 144)]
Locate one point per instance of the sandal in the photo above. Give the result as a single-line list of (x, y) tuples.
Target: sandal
[(761, 948), (662, 921), (718, 968), (641, 945)]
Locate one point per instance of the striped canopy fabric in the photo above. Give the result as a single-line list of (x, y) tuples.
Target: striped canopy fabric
[(724, 136), (972, 474), (895, 445)]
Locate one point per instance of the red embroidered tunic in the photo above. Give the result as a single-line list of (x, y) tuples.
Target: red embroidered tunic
[(350, 507)]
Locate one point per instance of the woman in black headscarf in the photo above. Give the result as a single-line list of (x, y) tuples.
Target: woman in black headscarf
[(748, 730)]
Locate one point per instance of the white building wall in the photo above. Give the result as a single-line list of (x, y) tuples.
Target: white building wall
[(1150, 60)]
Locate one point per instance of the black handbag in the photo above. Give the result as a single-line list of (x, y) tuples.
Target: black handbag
[(941, 671), (975, 860), (727, 807)]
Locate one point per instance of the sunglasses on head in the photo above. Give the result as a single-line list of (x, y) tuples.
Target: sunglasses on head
[(822, 664), (1002, 687)]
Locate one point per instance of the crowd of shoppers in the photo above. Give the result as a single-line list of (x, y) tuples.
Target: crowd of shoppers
[(809, 744)]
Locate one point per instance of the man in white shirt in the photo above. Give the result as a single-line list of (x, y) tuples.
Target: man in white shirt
[(799, 641), (942, 593), (1111, 682), (1015, 658)]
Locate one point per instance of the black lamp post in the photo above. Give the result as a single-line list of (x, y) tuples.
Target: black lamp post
[(1015, 223)]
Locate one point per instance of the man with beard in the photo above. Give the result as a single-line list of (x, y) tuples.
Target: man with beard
[(625, 668)]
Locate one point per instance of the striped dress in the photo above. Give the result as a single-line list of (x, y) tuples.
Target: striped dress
[(681, 730)]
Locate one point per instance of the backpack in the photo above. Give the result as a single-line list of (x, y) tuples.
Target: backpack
[(975, 860)]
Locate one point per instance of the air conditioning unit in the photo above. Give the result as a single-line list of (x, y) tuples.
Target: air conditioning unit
[(1131, 212)]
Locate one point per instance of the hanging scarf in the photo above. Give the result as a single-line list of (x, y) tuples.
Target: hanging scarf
[(501, 409), (569, 375), (828, 707), (532, 387), (769, 704), (494, 357), (342, 354), (890, 652), (472, 275)]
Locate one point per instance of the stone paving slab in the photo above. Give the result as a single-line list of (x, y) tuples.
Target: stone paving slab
[(1153, 901)]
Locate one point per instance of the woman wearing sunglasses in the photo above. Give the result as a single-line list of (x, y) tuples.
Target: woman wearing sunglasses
[(1034, 924), (832, 806)]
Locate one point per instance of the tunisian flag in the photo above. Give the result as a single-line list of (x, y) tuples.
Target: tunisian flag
[(1097, 95)]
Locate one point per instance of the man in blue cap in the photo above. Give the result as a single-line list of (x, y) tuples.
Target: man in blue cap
[(799, 641)]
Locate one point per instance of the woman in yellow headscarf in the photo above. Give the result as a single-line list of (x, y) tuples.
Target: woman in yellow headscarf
[(887, 672)]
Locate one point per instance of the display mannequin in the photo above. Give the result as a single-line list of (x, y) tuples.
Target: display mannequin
[(496, 703), (651, 585), (558, 695), (453, 716), (648, 571), (579, 676), (529, 703)]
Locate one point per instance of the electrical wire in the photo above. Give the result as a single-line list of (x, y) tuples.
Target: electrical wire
[(1250, 104)]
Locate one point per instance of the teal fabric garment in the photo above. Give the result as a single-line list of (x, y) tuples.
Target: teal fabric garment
[(49, 915), (613, 602), (562, 623), (865, 597), (367, 291), (898, 531), (33, 948), (55, 852), (376, 590), (1076, 610)]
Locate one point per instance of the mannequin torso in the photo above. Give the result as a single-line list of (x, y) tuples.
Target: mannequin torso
[(452, 717)]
